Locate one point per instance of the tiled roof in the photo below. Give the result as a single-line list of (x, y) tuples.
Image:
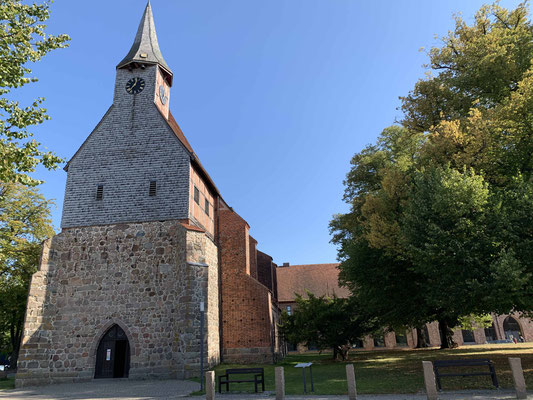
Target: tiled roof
[(181, 137), (319, 279), (178, 132)]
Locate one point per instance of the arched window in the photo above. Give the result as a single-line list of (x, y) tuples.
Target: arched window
[(113, 354), (490, 334), (511, 328), (379, 341), (468, 336), (401, 340)]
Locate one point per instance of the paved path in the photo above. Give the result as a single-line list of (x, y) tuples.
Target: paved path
[(485, 395), (124, 389), (116, 389)]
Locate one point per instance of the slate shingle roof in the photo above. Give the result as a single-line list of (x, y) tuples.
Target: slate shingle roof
[(145, 48)]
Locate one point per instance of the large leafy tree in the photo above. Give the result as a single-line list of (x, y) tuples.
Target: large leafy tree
[(441, 206), (22, 41), (24, 223), (329, 323), (369, 237)]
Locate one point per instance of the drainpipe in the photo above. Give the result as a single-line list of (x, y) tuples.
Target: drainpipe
[(220, 316)]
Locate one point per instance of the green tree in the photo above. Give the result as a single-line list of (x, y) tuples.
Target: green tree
[(374, 267), (441, 206), (450, 231), (24, 223), (328, 323), (22, 41)]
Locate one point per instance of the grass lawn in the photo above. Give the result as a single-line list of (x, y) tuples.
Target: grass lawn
[(7, 383), (392, 371)]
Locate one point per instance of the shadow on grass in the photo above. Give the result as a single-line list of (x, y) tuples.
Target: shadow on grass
[(390, 371)]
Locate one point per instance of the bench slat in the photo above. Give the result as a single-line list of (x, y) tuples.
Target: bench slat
[(469, 374), (245, 371), (445, 363)]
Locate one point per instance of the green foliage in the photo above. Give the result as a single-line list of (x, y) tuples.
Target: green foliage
[(441, 219), (22, 41), (471, 322), (24, 223), (478, 66), (328, 323)]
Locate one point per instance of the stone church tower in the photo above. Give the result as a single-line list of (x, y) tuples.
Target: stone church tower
[(146, 242)]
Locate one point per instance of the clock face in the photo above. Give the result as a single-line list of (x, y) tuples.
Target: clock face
[(135, 85), (162, 94)]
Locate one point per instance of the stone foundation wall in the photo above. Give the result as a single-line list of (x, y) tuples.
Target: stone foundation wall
[(202, 254), (140, 276), (250, 355)]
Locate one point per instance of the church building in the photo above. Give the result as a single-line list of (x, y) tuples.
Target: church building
[(150, 257)]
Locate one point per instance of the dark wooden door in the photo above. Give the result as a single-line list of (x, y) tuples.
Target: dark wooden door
[(113, 355)]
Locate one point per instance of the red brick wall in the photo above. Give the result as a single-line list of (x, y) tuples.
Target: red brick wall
[(253, 257), (265, 271), (197, 211), (246, 303)]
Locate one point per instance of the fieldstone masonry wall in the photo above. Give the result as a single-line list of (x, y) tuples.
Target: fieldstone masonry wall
[(202, 251), (146, 277)]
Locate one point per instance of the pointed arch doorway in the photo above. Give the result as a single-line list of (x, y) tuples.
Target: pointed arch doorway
[(511, 327), (113, 354)]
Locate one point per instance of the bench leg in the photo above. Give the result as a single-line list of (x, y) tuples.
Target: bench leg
[(493, 376), (437, 377)]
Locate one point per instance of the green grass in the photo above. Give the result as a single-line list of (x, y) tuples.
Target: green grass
[(7, 383), (391, 371)]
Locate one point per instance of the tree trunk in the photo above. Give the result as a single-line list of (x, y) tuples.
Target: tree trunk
[(446, 336), (421, 339), (344, 350), (16, 330), (341, 352)]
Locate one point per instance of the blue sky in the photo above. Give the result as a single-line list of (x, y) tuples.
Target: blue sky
[(274, 96)]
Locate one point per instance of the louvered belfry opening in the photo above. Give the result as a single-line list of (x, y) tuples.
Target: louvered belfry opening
[(99, 192), (153, 188)]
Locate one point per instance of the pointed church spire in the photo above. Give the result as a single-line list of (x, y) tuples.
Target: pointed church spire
[(145, 48)]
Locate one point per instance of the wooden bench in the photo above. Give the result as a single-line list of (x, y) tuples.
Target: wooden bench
[(480, 362), (258, 378)]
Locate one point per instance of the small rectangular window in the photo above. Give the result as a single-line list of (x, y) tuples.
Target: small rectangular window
[(206, 207), (99, 192), (153, 188), (289, 311), (196, 195)]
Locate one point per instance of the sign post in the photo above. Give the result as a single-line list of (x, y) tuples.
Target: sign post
[(303, 366)]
